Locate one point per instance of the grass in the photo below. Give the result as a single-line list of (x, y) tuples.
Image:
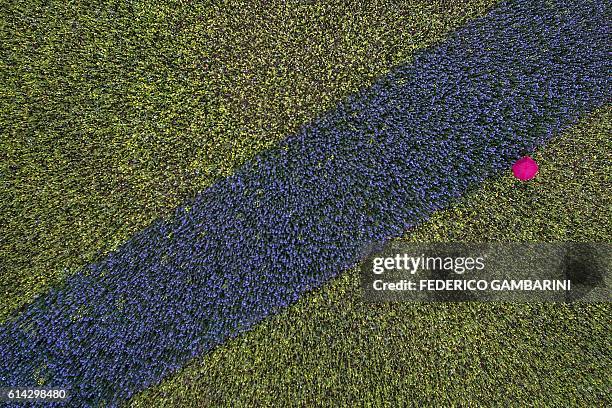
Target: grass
[(331, 349), (116, 112)]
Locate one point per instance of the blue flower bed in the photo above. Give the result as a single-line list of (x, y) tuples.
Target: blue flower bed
[(303, 212)]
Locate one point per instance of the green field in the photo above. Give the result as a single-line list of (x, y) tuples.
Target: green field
[(332, 349), (113, 113), (116, 112)]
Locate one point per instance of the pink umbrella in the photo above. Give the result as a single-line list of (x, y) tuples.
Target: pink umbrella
[(525, 168)]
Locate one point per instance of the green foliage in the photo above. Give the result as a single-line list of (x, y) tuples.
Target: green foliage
[(332, 349), (114, 113)]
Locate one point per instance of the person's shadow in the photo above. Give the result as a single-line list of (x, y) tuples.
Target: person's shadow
[(583, 268)]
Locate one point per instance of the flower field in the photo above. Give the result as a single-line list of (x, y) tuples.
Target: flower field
[(189, 189)]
